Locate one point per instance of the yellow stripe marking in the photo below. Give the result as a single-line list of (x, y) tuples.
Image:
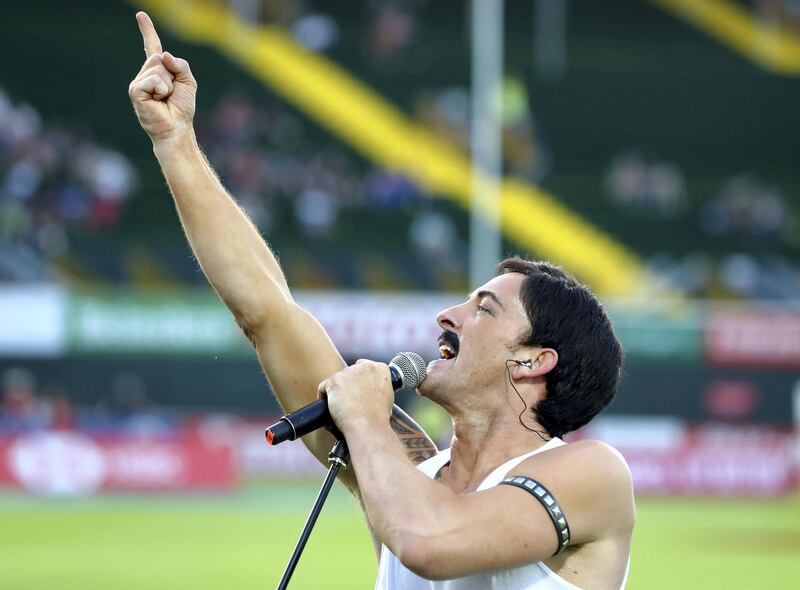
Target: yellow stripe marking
[(772, 47)]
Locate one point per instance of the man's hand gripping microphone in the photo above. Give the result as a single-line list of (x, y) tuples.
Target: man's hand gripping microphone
[(407, 369)]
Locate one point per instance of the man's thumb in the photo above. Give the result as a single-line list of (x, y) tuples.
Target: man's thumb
[(177, 66)]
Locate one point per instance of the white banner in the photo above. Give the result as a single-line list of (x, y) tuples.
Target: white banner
[(32, 320)]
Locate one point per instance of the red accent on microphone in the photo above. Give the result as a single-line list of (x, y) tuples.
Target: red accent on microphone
[(270, 437)]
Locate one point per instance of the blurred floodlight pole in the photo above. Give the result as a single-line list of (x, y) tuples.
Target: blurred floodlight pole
[(796, 404), (549, 37), (485, 243)]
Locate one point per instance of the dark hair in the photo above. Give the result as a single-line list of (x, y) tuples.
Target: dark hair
[(566, 316)]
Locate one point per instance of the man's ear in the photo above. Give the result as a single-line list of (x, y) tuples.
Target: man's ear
[(543, 361)]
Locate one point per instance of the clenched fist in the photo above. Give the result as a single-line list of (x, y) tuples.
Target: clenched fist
[(361, 390), (163, 92)]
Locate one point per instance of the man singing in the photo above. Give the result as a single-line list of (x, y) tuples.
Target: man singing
[(528, 357)]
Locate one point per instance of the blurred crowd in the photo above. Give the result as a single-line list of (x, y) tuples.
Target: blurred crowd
[(264, 155), (56, 183), (52, 181), (125, 408), (391, 24), (268, 159), (744, 208)]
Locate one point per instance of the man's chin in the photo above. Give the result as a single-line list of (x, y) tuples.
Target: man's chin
[(434, 385), (431, 381), (438, 365), (425, 388)]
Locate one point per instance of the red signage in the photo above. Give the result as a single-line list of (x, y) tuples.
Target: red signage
[(712, 471), (753, 338), (74, 463), (669, 457)]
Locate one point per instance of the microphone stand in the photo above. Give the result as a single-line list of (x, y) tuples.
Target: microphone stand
[(338, 457)]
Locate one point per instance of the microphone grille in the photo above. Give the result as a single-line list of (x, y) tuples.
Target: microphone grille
[(412, 367)]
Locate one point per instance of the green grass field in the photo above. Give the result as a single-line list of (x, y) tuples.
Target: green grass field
[(244, 540)]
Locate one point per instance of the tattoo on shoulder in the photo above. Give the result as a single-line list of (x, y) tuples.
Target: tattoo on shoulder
[(420, 456), (399, 427), (416, 442), (420, 446)]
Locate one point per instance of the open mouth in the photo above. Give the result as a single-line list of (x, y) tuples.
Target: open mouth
[(448, 345)]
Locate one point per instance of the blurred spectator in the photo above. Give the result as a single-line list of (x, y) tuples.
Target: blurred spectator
[(25, 407), (445, 113), (278, 12), (133, 409), (388, 190), (21, 407), (434, 238), (739, 274), (316, 210), (316, 31), (58, 406), (392, 30), (434, 235), (524, 153)]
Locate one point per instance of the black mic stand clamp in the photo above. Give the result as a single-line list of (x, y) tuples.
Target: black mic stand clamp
[(338, 457)]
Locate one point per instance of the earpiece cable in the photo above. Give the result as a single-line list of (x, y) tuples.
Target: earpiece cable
[(525, 406)]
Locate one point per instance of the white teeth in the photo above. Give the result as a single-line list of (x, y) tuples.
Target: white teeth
[(446, 351)]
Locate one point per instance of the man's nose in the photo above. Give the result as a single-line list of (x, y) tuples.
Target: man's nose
[(448, 318)]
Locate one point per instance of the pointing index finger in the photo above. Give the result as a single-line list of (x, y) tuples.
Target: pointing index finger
[(152, 44)]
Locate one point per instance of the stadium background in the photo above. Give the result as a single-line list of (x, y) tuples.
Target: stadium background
[(649, 146)]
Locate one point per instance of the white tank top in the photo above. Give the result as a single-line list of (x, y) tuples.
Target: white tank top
[(393, 575)]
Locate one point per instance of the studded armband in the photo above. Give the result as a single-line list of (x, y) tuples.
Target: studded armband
[(541, 493)]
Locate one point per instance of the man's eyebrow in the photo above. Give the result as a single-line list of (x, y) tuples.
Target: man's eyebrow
[(492, 296)]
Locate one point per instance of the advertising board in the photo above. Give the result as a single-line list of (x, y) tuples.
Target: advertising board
[(73, 463)]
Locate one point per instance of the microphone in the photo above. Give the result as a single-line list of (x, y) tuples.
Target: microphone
[(407, 369)]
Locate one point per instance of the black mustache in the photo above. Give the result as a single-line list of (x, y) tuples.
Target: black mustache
[(451, 339)]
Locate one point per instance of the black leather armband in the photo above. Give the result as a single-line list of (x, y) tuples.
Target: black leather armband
[(541, 493)]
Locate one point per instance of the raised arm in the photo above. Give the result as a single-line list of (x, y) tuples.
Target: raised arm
[(293, 348)]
